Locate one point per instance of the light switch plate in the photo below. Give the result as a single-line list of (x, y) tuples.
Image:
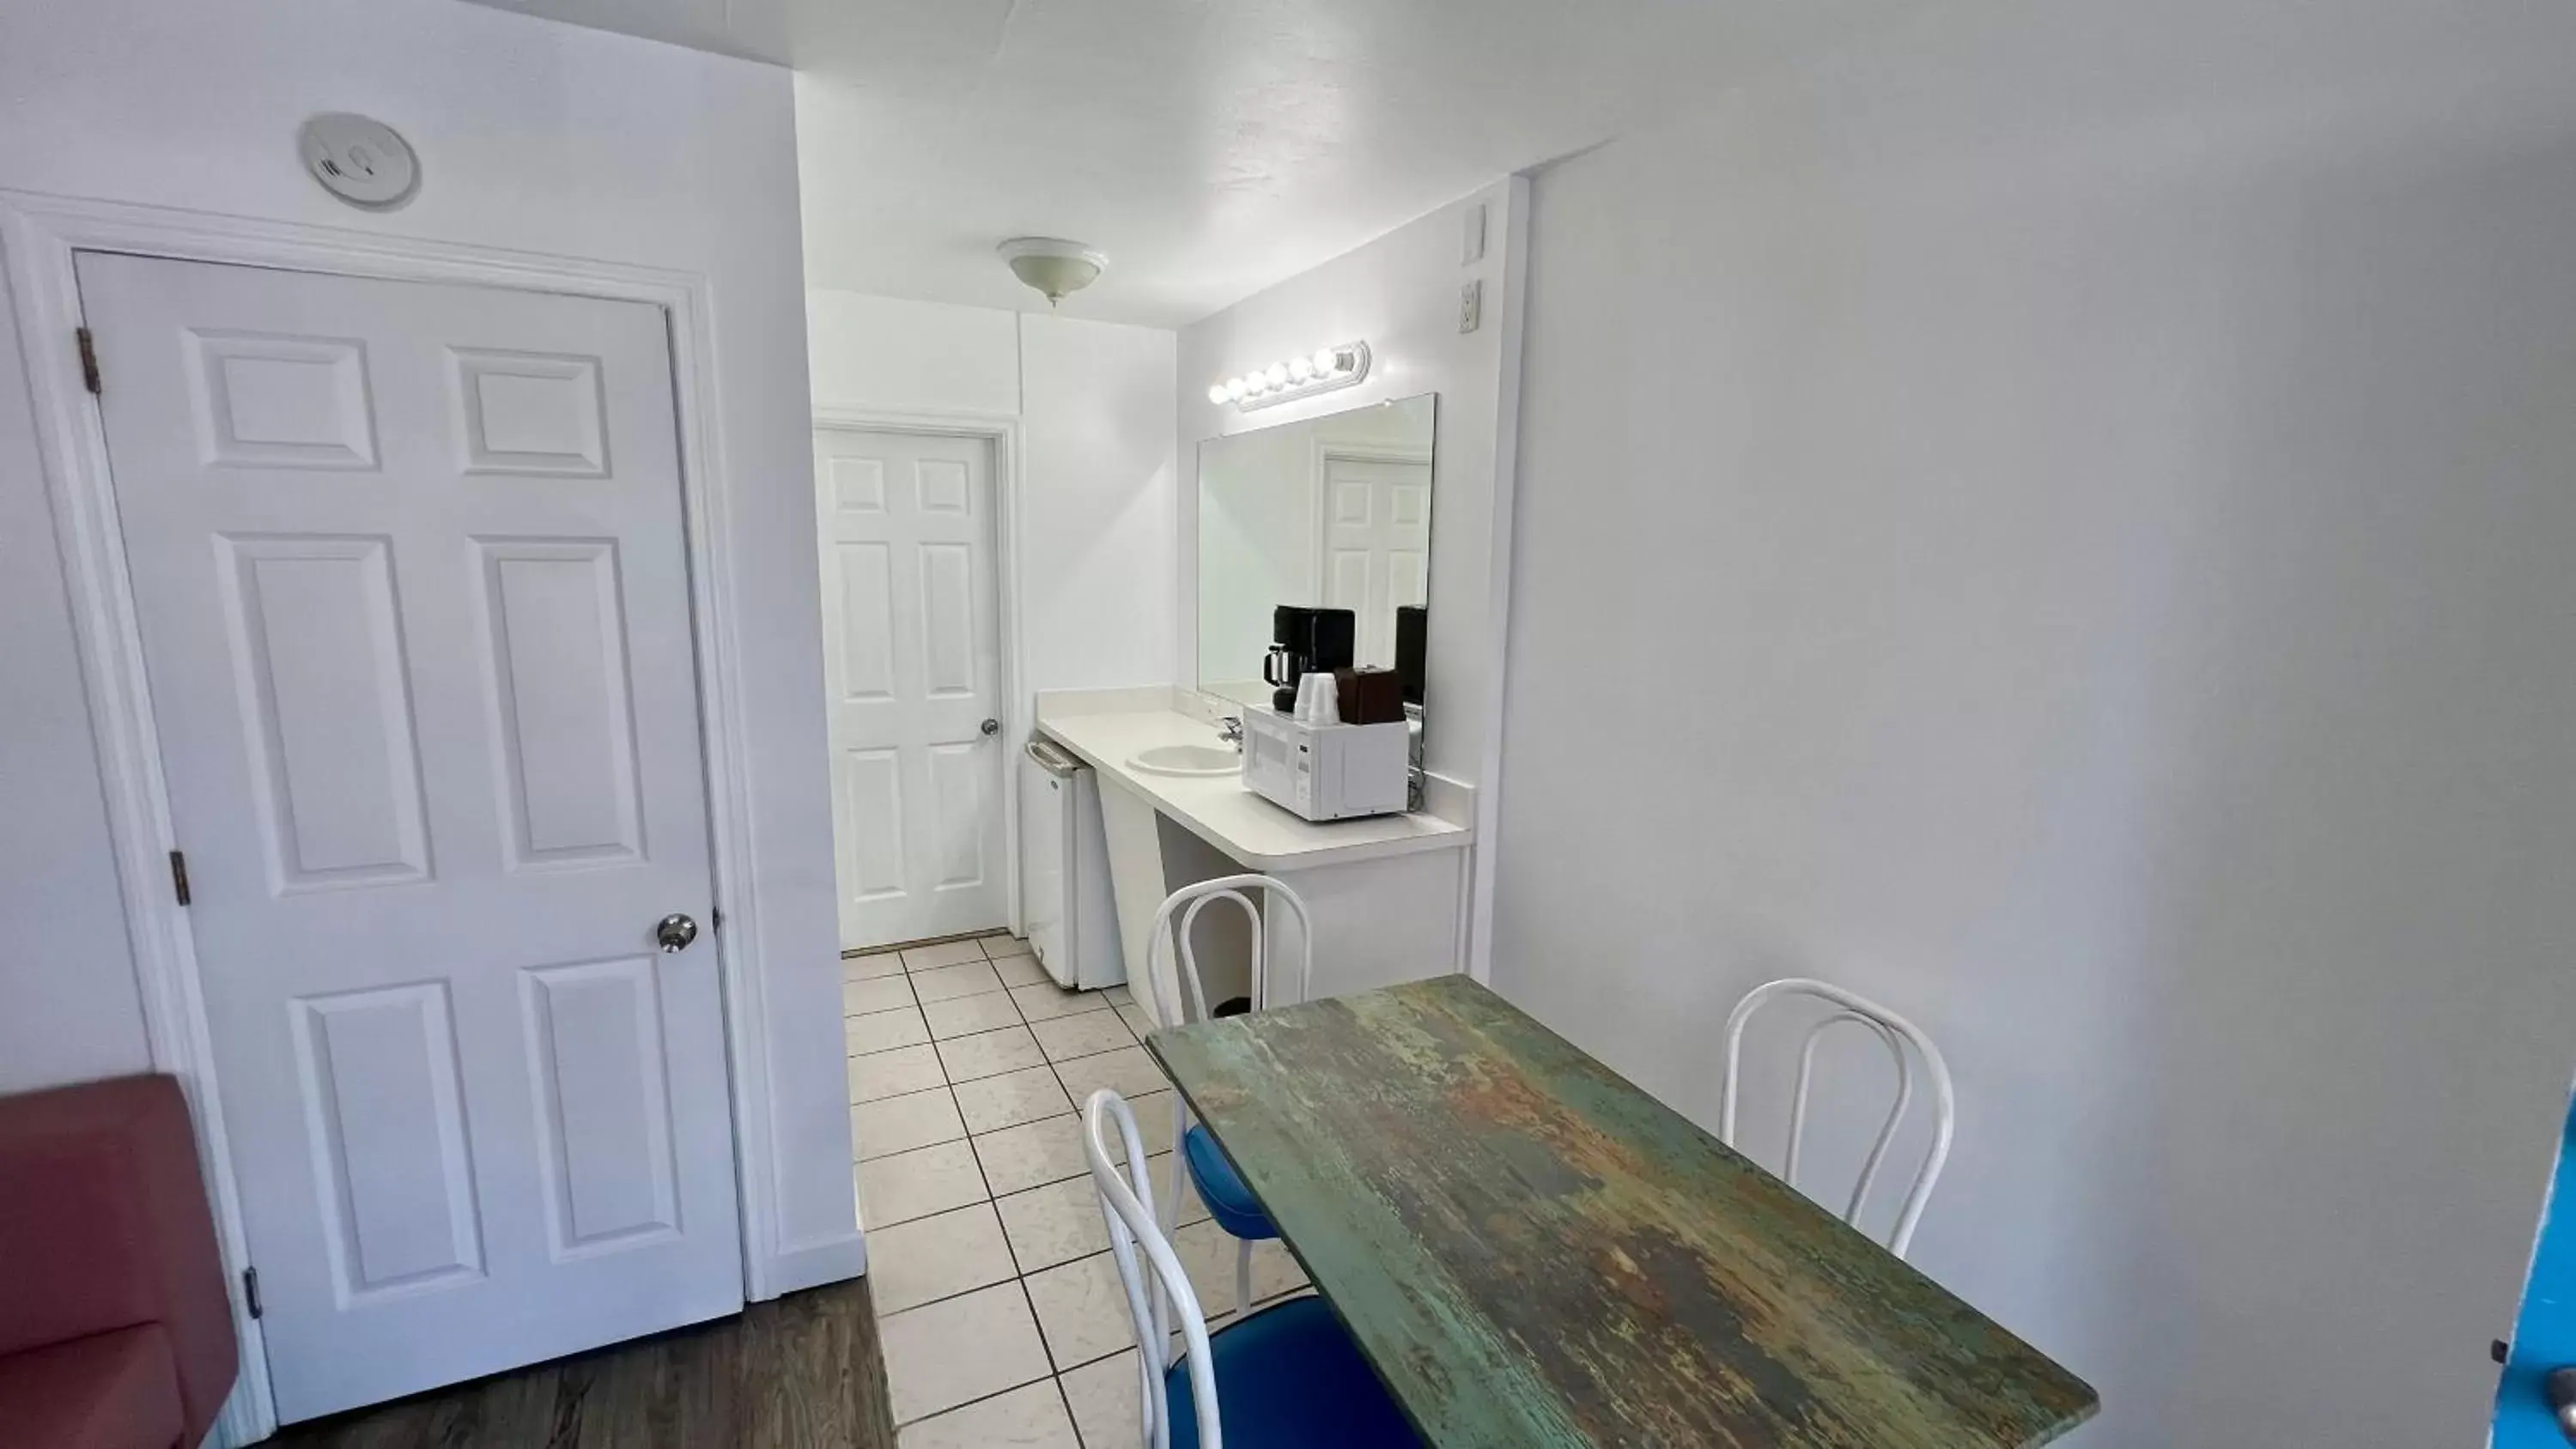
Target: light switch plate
[(1472, 247), (1471, 306)]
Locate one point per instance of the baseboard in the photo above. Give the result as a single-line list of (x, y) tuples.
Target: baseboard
[(852, 953), (835, 1260), (236, 1425)]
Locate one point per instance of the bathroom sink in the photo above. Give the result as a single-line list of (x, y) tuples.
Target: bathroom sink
[(1187, 760)]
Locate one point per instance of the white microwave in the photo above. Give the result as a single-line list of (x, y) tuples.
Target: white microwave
[(1327, 772)]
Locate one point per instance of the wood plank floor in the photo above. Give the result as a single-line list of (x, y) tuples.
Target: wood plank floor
[(802, 1371)]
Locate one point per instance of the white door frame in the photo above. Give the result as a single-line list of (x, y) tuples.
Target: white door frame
[(40, 234), (1320, 459), (1002, 431)]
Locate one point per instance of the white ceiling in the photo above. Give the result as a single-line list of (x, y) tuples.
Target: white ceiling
[(1210, 147)]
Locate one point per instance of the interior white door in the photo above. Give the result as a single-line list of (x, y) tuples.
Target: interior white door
[(1376, 554), (409, 569), (912, 662)]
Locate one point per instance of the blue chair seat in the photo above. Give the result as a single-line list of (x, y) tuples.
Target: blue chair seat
[(1228, 1200), (1289, 1377)]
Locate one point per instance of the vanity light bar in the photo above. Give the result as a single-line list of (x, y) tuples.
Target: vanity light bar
[(1321, 371)]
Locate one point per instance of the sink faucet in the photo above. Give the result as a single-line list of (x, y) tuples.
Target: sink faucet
[(1231, 727)]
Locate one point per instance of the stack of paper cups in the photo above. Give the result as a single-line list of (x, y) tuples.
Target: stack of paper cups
[(1319, 700)]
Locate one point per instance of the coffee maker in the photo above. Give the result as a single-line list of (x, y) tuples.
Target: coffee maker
[(1304, 640)]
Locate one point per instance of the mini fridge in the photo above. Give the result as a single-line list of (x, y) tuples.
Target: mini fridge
[(1064, 870)]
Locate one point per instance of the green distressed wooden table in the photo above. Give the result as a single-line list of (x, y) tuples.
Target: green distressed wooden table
[(1531, 1251)]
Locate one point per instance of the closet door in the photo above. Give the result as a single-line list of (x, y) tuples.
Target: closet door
[(409, 569)]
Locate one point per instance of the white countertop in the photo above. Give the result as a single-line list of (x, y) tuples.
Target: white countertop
[(1220, 811)]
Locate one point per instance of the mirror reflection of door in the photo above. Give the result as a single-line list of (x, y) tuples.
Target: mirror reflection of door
[(1373, 553), (1331, 511)]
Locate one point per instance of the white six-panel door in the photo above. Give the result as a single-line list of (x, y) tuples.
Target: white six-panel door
[(1376, 553), (408, 565), (912, 664)]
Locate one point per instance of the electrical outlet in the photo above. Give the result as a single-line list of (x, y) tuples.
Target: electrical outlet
[(1471, 306)]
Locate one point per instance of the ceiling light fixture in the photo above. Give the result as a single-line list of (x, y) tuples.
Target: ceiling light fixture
[(1327, 370), (1054, 266)]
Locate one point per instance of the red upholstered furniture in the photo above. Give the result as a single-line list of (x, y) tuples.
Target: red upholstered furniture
[(114, 1331)]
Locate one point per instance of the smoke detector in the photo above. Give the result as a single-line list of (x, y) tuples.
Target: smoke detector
[(360, 160), (1052, 265)]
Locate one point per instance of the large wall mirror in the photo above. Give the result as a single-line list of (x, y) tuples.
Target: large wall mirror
[(1331, 512)]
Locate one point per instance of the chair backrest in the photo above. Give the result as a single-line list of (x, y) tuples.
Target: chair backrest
[(1893, 1032), (1185, 904), (1159, 1297)]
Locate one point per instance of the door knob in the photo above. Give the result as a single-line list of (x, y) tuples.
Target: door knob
[(2560, 1386), (675, 932), (992, 727)]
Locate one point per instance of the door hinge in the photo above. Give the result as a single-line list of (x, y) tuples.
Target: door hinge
[(250, 1293), (179, 875), (89, 359)]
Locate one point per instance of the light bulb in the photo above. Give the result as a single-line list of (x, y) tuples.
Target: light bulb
[(1301, 368), (1217, 394), (1235, 388), (1277, 376), (1327, 361)]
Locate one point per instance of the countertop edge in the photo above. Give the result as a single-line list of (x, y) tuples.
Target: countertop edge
[(1450, 836)]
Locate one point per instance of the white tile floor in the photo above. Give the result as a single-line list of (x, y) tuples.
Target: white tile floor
[(998, 1301)]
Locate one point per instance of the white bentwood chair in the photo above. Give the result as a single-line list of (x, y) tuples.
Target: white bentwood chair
[(1893, 1032), (1194, 1151), (1290, 1374)]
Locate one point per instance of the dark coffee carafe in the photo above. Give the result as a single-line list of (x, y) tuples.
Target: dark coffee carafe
[(1303, 640)]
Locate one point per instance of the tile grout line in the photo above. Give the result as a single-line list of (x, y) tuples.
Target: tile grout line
[(992, 1199), (918, 1005), (1065, 1398), (997, 1393), (1083, 1126), (1019, 1275), (1017, 1278), (1258, 1303), (964, 1405)]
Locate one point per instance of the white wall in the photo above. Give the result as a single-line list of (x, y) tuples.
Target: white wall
[(535, 137), (2077, 500), (893, 355), (1094, 405), (1096, 517), (69, 1009)]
